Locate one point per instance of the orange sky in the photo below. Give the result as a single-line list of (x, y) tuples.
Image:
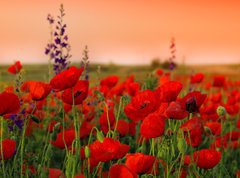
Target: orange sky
[(125, 31)]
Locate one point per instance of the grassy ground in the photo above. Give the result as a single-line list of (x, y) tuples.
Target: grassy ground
[(40, 72)]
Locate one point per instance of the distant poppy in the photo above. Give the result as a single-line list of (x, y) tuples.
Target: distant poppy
[(66, 79), (107, 120), (79, 93), (197, 78), (122, 127), (139, 162), (219, 81), (169, 91), (206, 158), (159, 72), (63, 138), (142, 104), (15, 68), (110, 81), (121, 171), (133, 88), (55, 173), (9, 103), (8, 149), (215, 127), (152, 126)]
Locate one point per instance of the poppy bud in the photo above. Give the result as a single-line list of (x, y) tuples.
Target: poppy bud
[(100, 136), (221, 111), (87, 152), (182, 145), (207, 130)]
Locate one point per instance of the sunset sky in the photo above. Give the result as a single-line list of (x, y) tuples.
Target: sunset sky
[(124, 31)]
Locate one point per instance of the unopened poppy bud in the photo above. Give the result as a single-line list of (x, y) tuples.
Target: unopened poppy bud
[(180, 134), (221, 111), (87, 152), (207, 130), (56, 127), (182, 145), (100, 136)]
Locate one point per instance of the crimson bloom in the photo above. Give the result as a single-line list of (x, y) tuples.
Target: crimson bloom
[(142, 104), (79, 93), (152, 126), (15, 68), (66, 79), (219, 81), (9, 103), (139, 162), (193, 101), (8, 149), (176, 111), (169, 91), (107, 150), (206, 158), (121, 171), (193, 128), (39, 90), (67, 136), (197, 78)]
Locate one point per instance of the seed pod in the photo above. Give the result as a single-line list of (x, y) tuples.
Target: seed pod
[(221, 111), (182, 145), (100, 136), (87, 152)]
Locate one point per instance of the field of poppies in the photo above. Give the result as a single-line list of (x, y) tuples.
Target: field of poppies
[(163, 126), (76, 122)]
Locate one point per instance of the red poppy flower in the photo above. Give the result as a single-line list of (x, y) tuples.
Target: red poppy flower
[(152, 126), (15, 68), (133, 88), (107, 150), (122, 127), (9, 103), (105, 119), (175, 111), (39, 90), (197, 78), (66, 79), (169, 91), (8, 149), (215, 127), (159, 72), (206, 158), (55, 173), (139, 163), (79, 93), (110, 81), (193, 101), (121, 171), (69, 136), (142, 104), (218, 81), (194, 128)]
